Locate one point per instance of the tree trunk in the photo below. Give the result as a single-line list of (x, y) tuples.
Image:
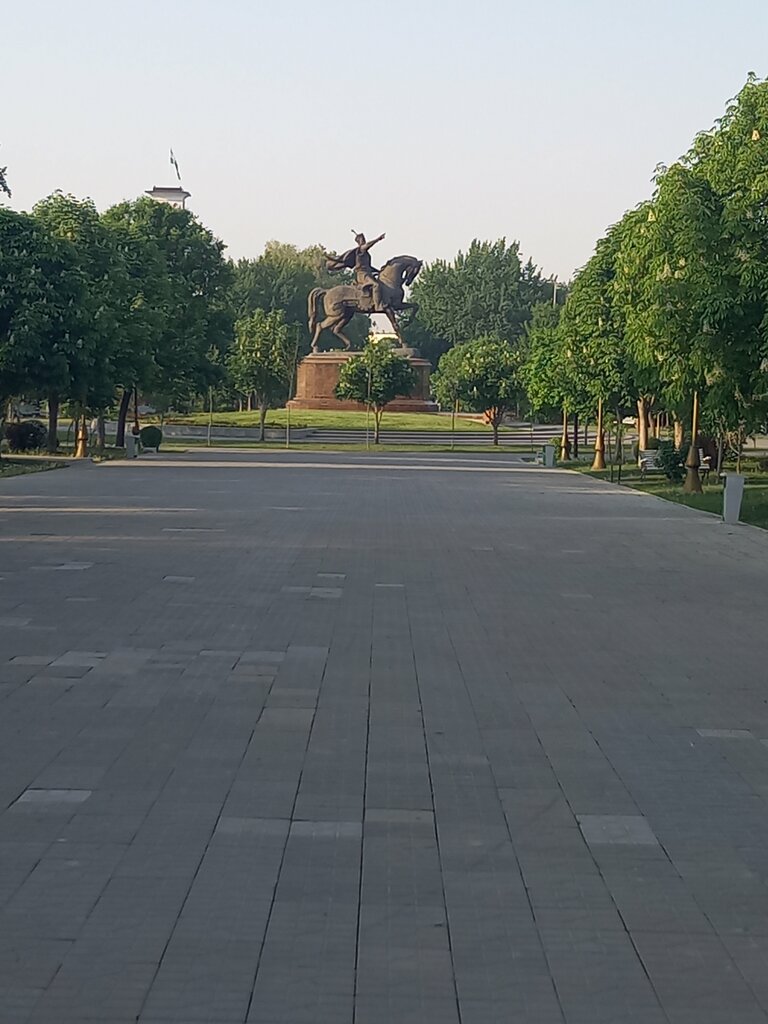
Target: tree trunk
[(720, 454), (376, 423), (122, 416), (565, 444), (81, 435), (692, 483), (136, 424), (262, 421), (642, 424), (576, 435), (599, 460), (657, 425), (495, 429), (101, 435), (679, 432), (249, 402), (239, 405), (53, 422)]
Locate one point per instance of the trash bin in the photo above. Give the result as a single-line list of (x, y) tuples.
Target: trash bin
[(131, 446), (732, 495), (549, 455)]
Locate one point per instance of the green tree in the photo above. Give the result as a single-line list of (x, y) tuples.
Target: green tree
[(601, 371), (40, 291), (375, 377), (484, 376), (148, 305), (260, 361), (195, 317), (485, 291), (90, 341)]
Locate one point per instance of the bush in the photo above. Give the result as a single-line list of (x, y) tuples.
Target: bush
[(151, 437), (671, 460), (27, 436)]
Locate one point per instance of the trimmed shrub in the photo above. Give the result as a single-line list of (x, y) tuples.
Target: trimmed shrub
[(671, 460), (151, 437), (27, 436)]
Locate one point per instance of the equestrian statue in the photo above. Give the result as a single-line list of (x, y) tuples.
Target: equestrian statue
[(374, 291)]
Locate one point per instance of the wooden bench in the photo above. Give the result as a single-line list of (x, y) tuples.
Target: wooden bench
[(647, 460)]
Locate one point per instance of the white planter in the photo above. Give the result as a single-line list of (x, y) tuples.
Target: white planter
[(732, 495)]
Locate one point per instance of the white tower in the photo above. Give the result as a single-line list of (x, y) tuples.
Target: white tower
[(174, 195)]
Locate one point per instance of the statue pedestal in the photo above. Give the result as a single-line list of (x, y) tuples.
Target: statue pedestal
[(318, 375)]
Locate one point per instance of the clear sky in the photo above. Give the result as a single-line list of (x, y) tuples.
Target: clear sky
[(434, 120)]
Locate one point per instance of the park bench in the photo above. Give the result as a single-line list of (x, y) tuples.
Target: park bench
[(647, 460)]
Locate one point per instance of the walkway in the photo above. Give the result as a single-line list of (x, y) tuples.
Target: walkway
[(323, 739)]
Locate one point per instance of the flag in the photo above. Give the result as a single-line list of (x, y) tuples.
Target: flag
[(175, 165)]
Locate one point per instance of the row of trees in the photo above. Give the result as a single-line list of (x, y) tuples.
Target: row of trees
[(93, 306), (669, 318)]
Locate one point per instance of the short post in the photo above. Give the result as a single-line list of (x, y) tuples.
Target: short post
[(131, 446), (732, 495), (549, 455)]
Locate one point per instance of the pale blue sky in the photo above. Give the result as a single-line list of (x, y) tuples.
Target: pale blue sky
[(433, 120)]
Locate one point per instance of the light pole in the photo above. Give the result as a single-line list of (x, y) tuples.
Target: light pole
[(290, 390)]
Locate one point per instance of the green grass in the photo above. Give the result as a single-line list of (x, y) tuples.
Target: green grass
[(754, 506), (18, 467), (330, 420), (178, 444)]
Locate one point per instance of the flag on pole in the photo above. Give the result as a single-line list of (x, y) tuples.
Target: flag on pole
[(175, 165)]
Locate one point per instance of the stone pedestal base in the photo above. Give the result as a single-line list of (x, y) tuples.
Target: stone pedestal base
[(318, 375)]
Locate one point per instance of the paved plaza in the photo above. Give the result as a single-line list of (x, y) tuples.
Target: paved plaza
[(395, 739)]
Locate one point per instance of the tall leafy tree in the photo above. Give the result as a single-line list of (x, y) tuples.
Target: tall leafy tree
[(90, 341), (552, 373), (486, 291), (375, 377), (195, 319), (260, 360), (41, 289)]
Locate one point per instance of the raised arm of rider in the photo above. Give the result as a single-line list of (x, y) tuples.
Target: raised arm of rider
[(373, 241)]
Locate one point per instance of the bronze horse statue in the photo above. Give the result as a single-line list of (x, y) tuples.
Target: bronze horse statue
[(333, 308)]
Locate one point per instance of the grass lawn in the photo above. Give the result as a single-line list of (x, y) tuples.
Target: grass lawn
[(178, 444), (18, 467), (754, 507), (330, 420)]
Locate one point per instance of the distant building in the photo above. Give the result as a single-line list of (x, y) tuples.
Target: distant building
[(174, 196)]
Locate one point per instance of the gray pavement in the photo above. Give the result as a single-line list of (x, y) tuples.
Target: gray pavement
[(323, 739)]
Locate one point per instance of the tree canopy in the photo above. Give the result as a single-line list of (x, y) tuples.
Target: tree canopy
[(486, 291), (375, 377), (482, 376)]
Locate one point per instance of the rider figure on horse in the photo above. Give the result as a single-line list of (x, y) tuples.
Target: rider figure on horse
[(359, 260)]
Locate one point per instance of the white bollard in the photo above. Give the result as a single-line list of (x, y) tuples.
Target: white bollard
[(131, 446), (549, 455), (732, 495)]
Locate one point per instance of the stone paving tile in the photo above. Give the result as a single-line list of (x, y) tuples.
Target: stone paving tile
[(384, 758)]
